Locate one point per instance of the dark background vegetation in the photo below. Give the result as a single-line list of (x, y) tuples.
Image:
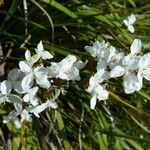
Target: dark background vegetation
[(66, 27)]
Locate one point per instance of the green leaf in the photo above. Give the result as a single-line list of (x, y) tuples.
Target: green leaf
[(134, 144), (24, 20), (124, 144), (118, 145), (61, 8), (66, 145), (12, 9), (102, 140), (143, 94), (92, 11), (60, 121), (16, 143), (132, 3)]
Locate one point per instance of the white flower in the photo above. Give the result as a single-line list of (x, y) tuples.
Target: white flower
[(49, 103), (100, 94), (101, 75), (67, 69), (31, 59), (129, 69), (28, 80), (111, 60), (129, 62), (12, 117), (133, 80), (107, 58), (39, 74), (96, 90), (41, 52), (132, 83), (39, 108), (6, 96), (41, 77), (31, 97), (5, 88), (25, 115), (97, 49), (129, 22)]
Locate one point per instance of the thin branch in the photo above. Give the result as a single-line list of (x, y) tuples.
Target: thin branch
[(48, 16), (80, 124), (25, 15)]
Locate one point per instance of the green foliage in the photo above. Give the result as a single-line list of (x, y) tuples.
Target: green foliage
[(122, 121)]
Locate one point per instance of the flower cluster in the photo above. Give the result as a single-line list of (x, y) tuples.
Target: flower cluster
[(129, 22), (24, 86), (112, 64)]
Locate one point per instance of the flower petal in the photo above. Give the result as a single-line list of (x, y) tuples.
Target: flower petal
[(136, 46), (17, 122), (18, 107), (79, 64), (27, 55), (93, 50), (101, 93), (101, 75), (52, 104), (27, 82), (34, 58), (15, 74), (42, 77), (146, 74), (6, 87), (25, 66), (39, 71), (4, 99), (130, 62), (38, 109), (131, 28), (33, 91), (39, 47), (117, 71), (46, 55), (34, 100), (133, 83), (131, 19), (93, 102), (14, 98), (101, 64), (144, 61), (43, 82), (26, 98), (126, 22), (25, 116)]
